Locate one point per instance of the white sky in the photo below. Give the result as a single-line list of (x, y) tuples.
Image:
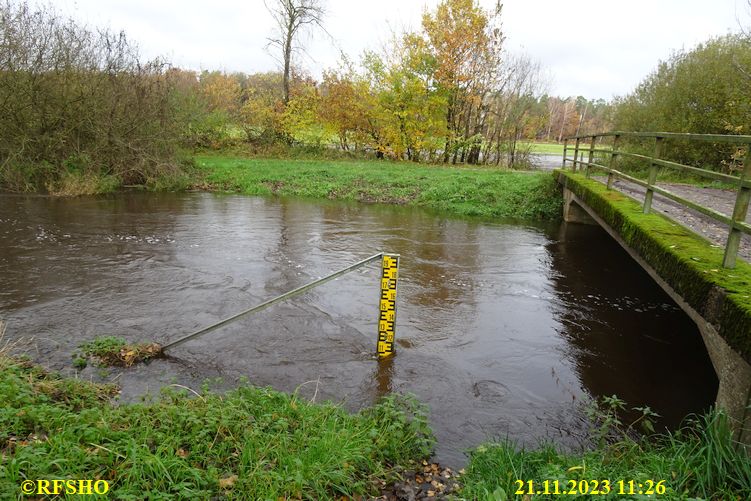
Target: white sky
[(593, 48)]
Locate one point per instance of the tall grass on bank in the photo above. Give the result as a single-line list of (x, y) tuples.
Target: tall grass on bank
[(250, 443), (459, 190), (701, 460)]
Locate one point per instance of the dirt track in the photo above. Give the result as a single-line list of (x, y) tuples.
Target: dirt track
[(717, 199)]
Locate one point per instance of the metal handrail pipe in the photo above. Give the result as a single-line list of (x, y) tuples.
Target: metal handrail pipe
[(277, 299)]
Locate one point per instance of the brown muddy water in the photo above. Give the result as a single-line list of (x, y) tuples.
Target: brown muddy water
[(503, 329)]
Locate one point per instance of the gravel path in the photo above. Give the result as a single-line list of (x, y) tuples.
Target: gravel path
[(717, 199)]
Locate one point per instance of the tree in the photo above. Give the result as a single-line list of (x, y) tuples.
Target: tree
[(696, 91), (406, 107), (342, 105), (466, 42), (291, 17), (261, 115)]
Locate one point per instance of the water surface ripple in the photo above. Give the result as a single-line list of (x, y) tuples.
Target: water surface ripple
[(503, 329)]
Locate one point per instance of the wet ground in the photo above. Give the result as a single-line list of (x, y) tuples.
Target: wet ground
[(503, 328), (545, 161)]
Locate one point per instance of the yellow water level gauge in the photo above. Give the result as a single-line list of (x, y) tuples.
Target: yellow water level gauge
[(387, 313)]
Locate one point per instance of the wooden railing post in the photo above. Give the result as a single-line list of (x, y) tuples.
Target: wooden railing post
[(652, 176), (565, 147), (613, 155), (581, 158), (739, 213), (576, 154), (591, 155)]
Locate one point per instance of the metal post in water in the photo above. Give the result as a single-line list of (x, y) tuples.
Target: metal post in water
[(387, 306), (280, 298)]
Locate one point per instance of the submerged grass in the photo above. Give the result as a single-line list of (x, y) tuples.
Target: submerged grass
[(115, 351), (700, 461), (458, 190), (250, 443)]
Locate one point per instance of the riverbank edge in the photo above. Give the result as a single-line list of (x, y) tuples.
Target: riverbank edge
[(690, 264), (263, 444), (249, 441), (461, 191), (473, 191)]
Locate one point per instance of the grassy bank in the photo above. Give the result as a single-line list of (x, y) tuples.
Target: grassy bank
[(250, 443), (543, 148), (458, 190), (700, 461), (257, 443)]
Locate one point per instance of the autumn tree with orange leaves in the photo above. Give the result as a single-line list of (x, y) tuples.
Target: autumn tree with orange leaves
[(467, 44)]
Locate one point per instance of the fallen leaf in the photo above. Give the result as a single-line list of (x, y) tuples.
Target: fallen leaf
[(226, 483)]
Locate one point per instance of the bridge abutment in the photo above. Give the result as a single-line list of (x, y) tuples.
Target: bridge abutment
[(732, 369), (572, 211), (734, 374)]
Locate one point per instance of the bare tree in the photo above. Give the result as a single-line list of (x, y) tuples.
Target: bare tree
[(291, 16)]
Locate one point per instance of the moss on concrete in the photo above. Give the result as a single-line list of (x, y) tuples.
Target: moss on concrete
[(690, 264)]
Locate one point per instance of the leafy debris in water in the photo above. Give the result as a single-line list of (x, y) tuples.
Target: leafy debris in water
[(115, 351)]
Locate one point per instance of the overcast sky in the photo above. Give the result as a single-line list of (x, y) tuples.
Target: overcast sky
[(594, 48)]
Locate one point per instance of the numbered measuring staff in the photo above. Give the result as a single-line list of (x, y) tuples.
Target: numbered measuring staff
[(387, 313)]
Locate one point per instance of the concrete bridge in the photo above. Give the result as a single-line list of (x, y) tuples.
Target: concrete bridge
[(706, 281)]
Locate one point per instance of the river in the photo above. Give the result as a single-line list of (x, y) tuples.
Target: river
[(504, 329)]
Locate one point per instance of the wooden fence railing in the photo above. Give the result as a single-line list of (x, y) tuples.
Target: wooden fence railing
[(735, 222)]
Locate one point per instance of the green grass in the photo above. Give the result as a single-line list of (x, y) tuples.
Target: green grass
[(699, 461), (544, 148), (456, 190), (257, 443), (111, 350), (249, 443)]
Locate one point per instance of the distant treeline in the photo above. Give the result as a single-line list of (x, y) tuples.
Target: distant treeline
[(449, 92), (80, 111)]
